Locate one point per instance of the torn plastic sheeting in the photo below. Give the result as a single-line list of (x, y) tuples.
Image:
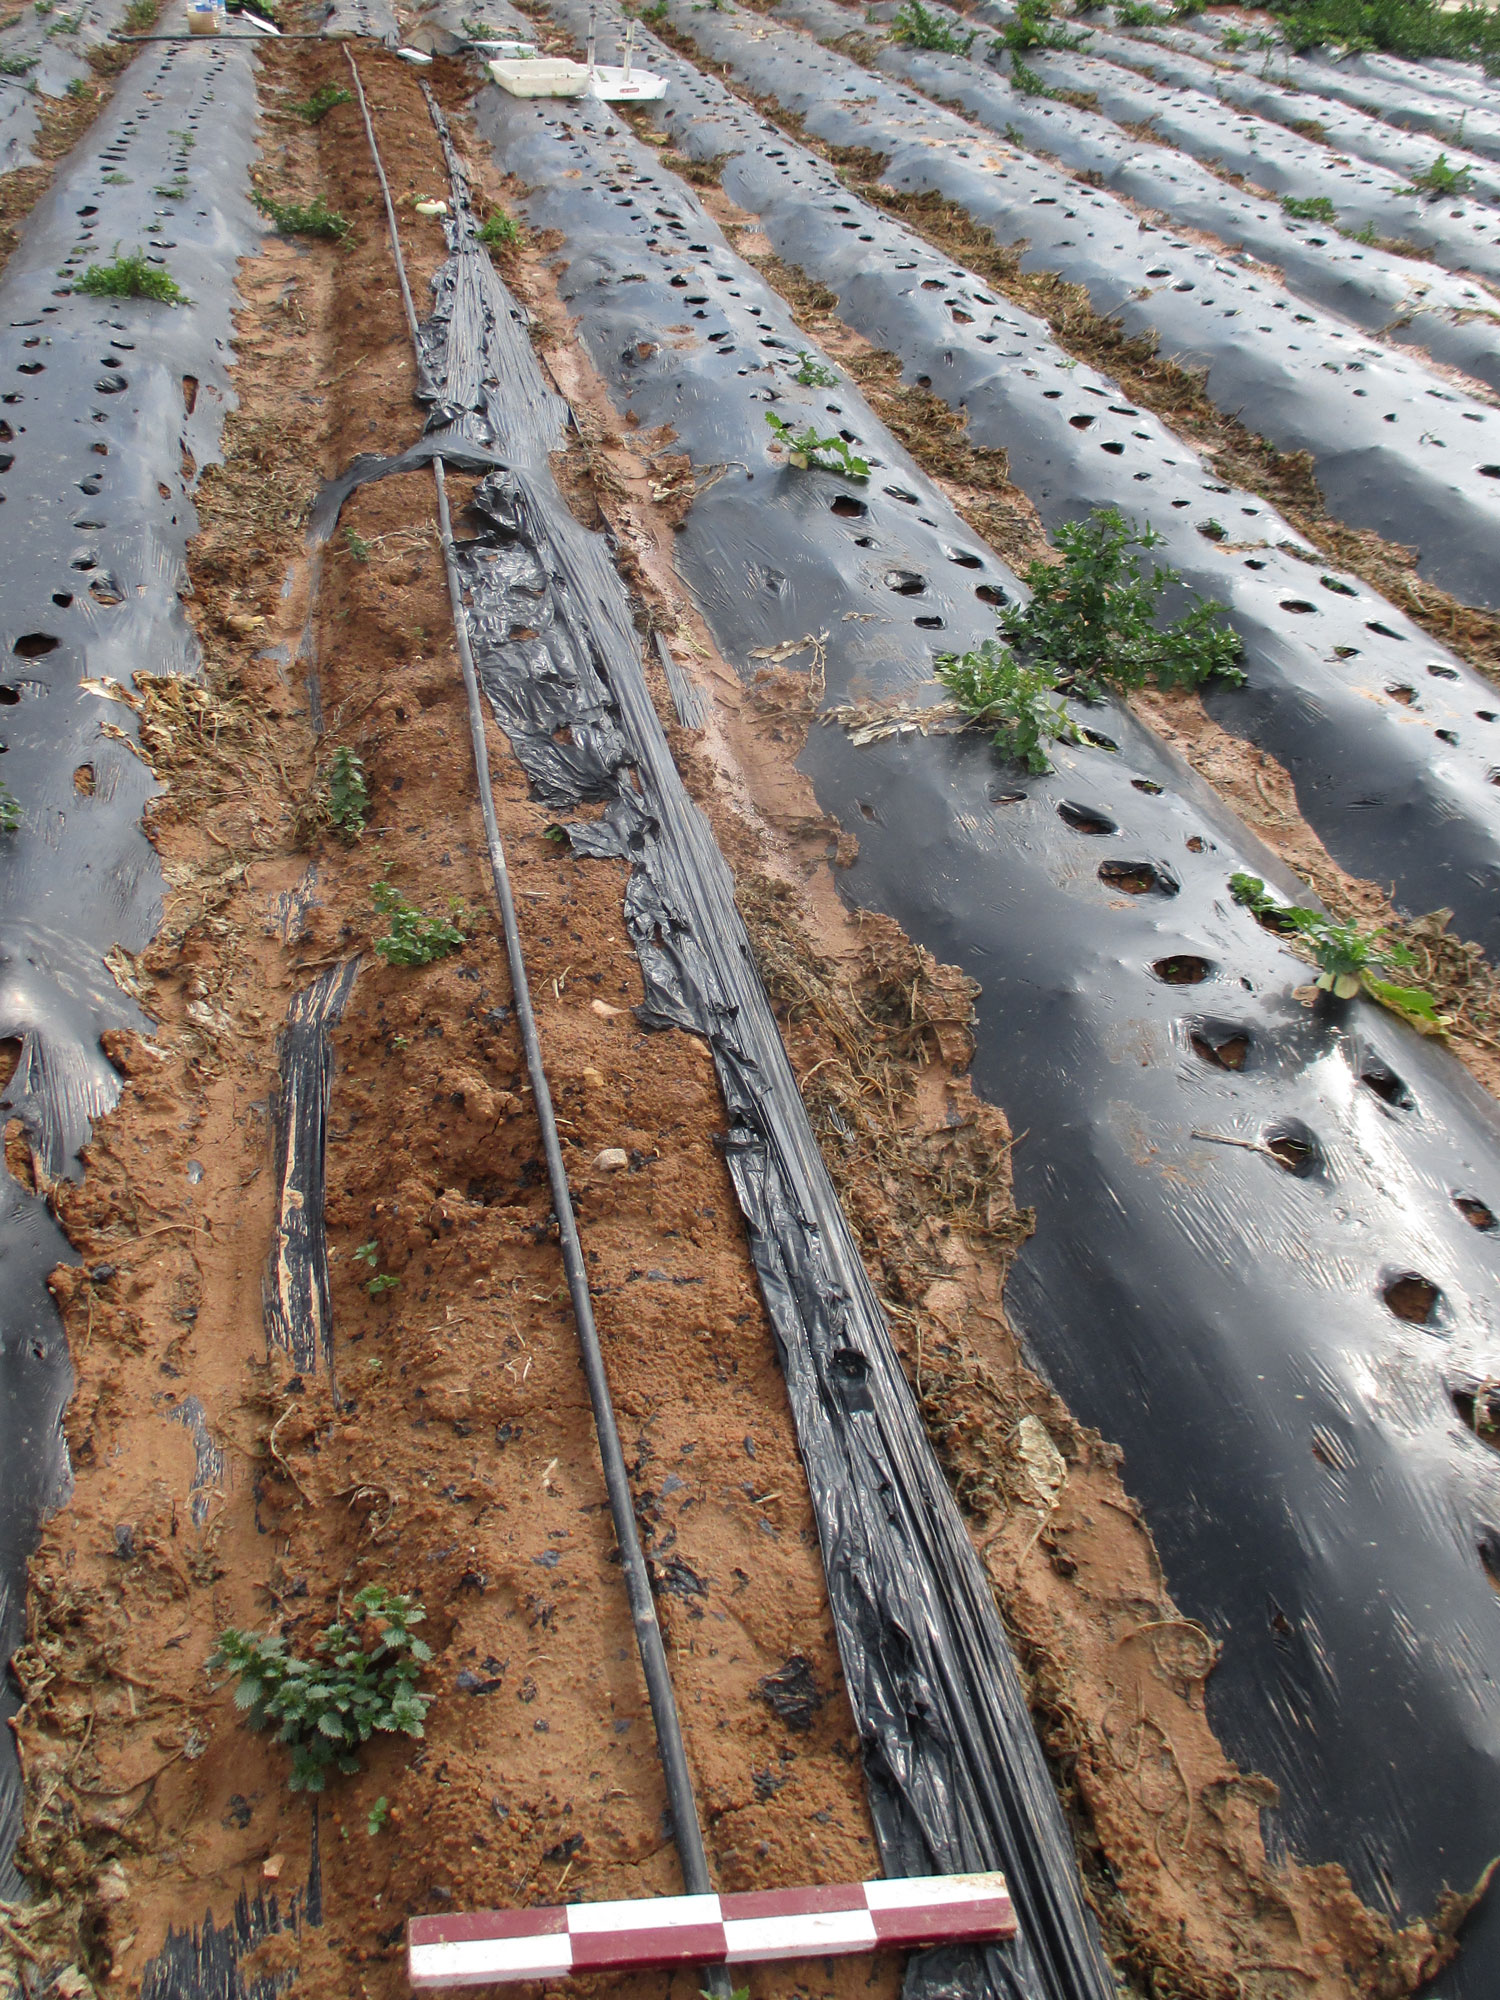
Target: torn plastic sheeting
[(955, 1773), (1072, 445), (295, 1297), (1216, 1311), (1359, 134), (97, 519), (1327, 391), (1459, 234)]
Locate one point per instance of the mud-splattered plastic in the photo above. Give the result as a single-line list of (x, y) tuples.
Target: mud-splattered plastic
[(104, 406), (955, 1774), (1244, 1206), (1394, 450), (1345, 691)]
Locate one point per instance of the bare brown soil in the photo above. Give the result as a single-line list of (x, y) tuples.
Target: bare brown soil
[(61, 123), (458, 1462)]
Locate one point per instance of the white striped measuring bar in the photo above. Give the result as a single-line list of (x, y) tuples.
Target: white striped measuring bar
[(499, 1947)]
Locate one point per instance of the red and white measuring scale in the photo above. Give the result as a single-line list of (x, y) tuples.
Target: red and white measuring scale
[(498, 1947)]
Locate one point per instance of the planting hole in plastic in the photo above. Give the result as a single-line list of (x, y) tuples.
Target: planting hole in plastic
[(1137, 878), (1478, 1214), (35, 645), (1294, 1149), (1184, 969), (1412, 1298), (83, 781), (1148, 785), (848, 508), (1083, 819), (1222, 1044), (1385, 1083)]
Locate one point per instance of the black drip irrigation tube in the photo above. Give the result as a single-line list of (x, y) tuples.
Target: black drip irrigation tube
[(105, 405), (687, 1831), (1346, 692), (956, 1779), (1395, 448), (1265, 1260)]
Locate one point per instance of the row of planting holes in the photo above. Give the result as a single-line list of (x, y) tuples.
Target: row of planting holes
[(1227, 1045)]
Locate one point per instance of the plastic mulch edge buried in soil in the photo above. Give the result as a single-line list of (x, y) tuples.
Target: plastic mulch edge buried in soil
[(97, 412), (1353, 712), (1394, 449), (1229, 1264), (955, 1774)]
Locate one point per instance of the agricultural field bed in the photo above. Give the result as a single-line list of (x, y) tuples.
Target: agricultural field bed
[(1052, 1337)]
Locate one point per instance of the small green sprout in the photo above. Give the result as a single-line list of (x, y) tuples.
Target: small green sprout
[(500, 231), (79, 88), (813, 374), (313, 110), (1309, 208), (175, 191), (1017, 702), (382, 1282), (363, 1679), (811, 453), (1232, 39), (918, 27), (131, 277), (10, 809), (414, 938), (377, 1816), (1349, 959), (1027, 81), (357, 546), (294, 218), (348, 794)]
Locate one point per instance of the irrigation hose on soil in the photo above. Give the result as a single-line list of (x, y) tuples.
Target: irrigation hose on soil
[(687, 1829)]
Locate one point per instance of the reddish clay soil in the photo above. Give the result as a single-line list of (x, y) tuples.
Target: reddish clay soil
[(215, 1487)]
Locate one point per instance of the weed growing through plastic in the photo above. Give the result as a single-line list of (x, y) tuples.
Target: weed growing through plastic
[(1349, 959), (1405, 27), (295, 218), (141, 15), (1232, 39), (17, 65), (131, 277), (500, 231), (919, 28), (414, 938), (10, 809), (813, 374), (177, 190), (1034, 28), (1309, 208), (811, 453), (1017, 703), (1137, 14), (1027, 81), (1440, 179), (1092, 618), (312, 110), (357, 546), (362, 1680), (348, 794), (380, 1282), (79, 88)]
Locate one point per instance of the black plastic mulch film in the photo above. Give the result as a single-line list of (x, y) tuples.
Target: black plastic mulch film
[(955, 1775), (1347, 693), (1217, 1248), (100, 402)]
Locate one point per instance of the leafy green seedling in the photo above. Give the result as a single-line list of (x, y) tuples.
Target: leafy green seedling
[(414, 938), (348, 794), (175, 191), (141, 15), (1232, 39), (500, 231), (131, 277), (368, 1254), (813, 374), (1309, 208), (811, 453), (295, 218), (1034, 28), (382, 1283), (363, 1679), (357, 546), (1138, 14), (1027, 80), (377, 1816), (1440, 179), (17, 65), (10, 809), (79, 88), (1017, 702), (313, 110), (1092, 617), (1349, 959), (918, 27)]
